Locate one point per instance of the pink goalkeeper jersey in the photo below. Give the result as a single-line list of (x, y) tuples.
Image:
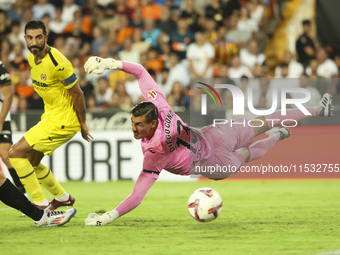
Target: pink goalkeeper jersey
[(174, 146)]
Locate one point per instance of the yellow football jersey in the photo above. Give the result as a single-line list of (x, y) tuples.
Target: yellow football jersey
[(51, 78)]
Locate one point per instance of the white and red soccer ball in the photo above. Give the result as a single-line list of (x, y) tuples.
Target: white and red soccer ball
[(205, 204)]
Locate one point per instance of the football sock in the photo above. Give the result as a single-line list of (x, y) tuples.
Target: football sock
[(12, 197), (259, 148), (28, 178), (47, 179), (43, 203), (16, 180), (64, 197), (274, 119)]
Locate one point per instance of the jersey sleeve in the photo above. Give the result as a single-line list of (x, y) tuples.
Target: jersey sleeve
[(149, 88), (5, 79), (153, 163), (64, 72)]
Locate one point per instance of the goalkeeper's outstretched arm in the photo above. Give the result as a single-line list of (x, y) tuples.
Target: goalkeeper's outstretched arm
[(142, 186)]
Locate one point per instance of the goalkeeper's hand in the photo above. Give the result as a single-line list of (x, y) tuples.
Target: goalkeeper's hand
[(95, 220), (98, 65)]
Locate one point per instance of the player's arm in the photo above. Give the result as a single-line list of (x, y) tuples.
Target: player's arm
[(79, 103), (142, 186), (98, 65)]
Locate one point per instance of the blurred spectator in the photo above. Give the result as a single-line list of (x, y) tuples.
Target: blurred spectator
[(326, 66), (76, 40), (17, 59), (103, 92), (124, 30), (305, 47), (51, 35), (295, 69), (86, 26), (91, 104), (178, 72), (249, 56), (256, 10), (229, 7), (15, 35), (233, 34), (98, 39), (109, 20), (69, 8), (28, 16), (5, 29), (124, 99), (17, 11), (215, 11), (43, 7), (165, 23), (154, 61), (224, 48), (112, 44), (59, 43), (178, 100), (151, 10), (22, 105), (86, 86), (210, 25), (23, 89), (150, 32), (200, 55), (57, 25), (122, 8), (181, 37), (5, 50), (138, 44), (304, 83), (127, 54), (162, 80), (137, 18), (132, 88), (245, 23), (191, 14), (35, 102), (237, 70)]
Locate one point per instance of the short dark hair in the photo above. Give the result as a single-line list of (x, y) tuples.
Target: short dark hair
[(284, 65), (146, 108), (36, 24), (306, 22)]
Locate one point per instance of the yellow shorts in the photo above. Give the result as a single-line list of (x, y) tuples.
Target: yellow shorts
[(45, 141)]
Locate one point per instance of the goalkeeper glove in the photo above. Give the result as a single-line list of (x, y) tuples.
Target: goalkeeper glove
[(95, 220), (98, 65)]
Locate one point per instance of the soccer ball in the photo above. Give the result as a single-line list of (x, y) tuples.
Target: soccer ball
[(205, 204)]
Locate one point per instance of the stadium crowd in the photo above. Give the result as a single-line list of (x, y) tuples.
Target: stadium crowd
[(175, 40)]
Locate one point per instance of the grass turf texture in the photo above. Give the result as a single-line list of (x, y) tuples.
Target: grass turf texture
[(274, 217)]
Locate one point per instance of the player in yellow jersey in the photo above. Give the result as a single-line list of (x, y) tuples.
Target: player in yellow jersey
[(54, 79)]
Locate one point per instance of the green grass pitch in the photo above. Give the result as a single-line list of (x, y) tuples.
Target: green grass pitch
[(272, 217)]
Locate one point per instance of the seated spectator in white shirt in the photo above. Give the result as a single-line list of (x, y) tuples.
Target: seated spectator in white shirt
[(326, 66), (295, 69), (69, 9), (236, 71), (256, 10), (200, 55), (250, 56), (245, 23), (58, 25), (127, 54), (103, 92)]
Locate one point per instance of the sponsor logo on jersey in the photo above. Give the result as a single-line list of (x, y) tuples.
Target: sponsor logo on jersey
[(43, 77), (38, 83), (61, 69), (152, 94)]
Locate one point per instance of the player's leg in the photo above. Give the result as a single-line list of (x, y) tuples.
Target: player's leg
[(18, 157), (47, 180), (4, 148), (12, 197), (324, 108)]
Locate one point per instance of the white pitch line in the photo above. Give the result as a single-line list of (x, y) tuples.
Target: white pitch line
[(332, 252)]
